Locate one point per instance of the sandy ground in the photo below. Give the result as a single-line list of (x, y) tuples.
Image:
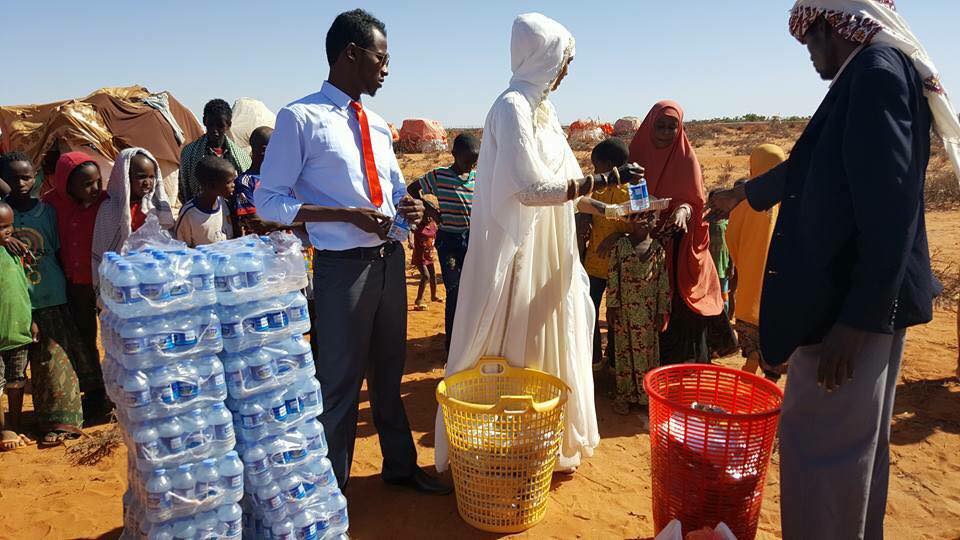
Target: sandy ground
[(44, 495)]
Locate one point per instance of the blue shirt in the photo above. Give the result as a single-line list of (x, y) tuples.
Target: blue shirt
[(315, 156), (37, 228)]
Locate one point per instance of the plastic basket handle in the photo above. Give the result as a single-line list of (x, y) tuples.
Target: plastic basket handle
[(491, 366), (523, 404)]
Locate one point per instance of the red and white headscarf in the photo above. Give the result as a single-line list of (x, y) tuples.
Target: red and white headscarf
[(877, 21)]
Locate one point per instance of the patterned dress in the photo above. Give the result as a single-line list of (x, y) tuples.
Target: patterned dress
[(639, 286)]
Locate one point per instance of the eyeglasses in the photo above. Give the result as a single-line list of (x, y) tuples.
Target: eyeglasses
[(382, 58)]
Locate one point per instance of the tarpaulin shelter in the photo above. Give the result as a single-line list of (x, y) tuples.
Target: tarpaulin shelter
[(419, 135), (584, 133), (628, 125), (101, 125), (248, 115)]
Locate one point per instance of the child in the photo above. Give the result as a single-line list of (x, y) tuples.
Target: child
[(135, 191), (605, 156), (205, 219), (721, 259), (638, 304), (423, 259), (16, 333), (56, 390), (243, 211), (76, 197)]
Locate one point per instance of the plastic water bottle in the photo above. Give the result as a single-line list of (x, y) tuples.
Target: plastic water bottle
[(292, 487), (277, 316), (321, 475), (231, 516), (184, 530), (261, 366), (310, 397), (136, 389), (184, 486), (126, 286), (313, 432), (292, 401), (194, 429), (163, 387), (251, 268), (220, 419), (134, 337), (277, 407), (213, 380), (171, 436), (285, 363), (153, 282), (201, 277), (297, 311), (639, 196), (158, 490), (186, 333), (208, 479), (305, 526), (234, 370), (339, 520), (299, 349), (187, 383), (399, 229), (210, 338), (230, 470), (146, 440), (257, 462), (207, 524), (283, 530), (231, 327), (226, 275), (252, 419), (276, 452), (271, 499)]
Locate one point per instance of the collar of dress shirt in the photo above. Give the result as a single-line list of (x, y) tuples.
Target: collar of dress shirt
[(335, 95)]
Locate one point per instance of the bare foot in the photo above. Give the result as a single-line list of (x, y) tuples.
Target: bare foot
[(437, 299), (10, 440)]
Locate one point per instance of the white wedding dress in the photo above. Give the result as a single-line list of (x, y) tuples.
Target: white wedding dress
[(523, 293)]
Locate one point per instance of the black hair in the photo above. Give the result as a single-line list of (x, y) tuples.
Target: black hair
[(217, 108), (466, 141), (9, 158), (351, 27), (73, 174), (260, 136), (613, 151), (212, 169)]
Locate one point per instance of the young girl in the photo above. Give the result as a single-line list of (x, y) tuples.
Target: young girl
[(638, 304), (76, 197), (135, 191), (56, 391), (423, 259)]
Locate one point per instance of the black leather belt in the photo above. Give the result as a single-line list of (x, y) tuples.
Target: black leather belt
[(362, 253)]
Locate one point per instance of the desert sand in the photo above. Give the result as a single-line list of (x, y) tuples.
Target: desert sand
[(44, 494)]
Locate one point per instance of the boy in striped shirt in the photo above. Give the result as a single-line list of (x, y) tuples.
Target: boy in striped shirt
[(453, 188)]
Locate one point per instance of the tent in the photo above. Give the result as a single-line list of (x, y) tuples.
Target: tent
[(102, 124), (419, 135), (248, 115), (586, 133), (628, 125)]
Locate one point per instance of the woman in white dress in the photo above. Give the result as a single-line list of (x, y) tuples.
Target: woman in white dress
[(524, 294)]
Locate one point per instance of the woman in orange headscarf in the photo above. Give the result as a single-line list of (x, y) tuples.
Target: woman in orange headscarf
[(661, 147)]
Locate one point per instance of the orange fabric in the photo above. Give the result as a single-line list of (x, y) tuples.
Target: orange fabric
[(373, 178), (674, 172)]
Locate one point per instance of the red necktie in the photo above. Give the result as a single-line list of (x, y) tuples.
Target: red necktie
[(369, 164)]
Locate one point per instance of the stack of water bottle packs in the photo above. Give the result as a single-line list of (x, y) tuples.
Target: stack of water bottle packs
[(162, 334), (291, 490)]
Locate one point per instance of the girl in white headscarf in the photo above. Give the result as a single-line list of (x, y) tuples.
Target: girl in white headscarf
[(135, 190), (524, 294)]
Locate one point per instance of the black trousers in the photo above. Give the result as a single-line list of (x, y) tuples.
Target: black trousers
[(360, 323), (597, 288), (451, 248)]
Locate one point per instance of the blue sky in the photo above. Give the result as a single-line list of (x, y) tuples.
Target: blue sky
[(449, 59)]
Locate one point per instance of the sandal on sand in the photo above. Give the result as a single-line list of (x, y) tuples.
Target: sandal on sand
[(438, 299), (56, 438), (10, 440), (419, 307)]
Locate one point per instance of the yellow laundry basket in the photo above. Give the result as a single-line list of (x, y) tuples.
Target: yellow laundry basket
[(504, 425)]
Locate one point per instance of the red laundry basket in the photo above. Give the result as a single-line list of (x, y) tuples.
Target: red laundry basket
[(711, 433)]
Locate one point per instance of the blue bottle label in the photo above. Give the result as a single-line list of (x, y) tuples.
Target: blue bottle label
[(202, 282), (259, 324), (134, 345), (187, 338), (187, 390), (175, 443), (194, 439), (262, 372), (278, 320), (304, 360), (128, 295), (293, 406), (279, 412), (253, 278), (223, 432), (230, 330), (137, 398), (249, 421), (295, 455), (235, 481), (297, 492)]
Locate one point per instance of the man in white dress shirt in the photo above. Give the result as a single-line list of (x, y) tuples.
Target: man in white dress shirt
[(330, 164)]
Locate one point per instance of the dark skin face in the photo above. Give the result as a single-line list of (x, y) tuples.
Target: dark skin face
[(601, 166), (217, 128), (464, 160), (6, 224), (21, 177), (828, 51), (564, 71), (222, 187), (83, 185), (143, 176), (359, 71), (665, 130)]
